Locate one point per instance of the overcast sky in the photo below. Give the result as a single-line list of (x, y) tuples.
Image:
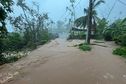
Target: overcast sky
[(57, 8)]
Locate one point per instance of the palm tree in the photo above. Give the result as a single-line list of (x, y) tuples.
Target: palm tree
[(118, 28), (83, 21)]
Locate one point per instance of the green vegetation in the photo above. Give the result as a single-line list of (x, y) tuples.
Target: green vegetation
[(120, 51), (101, 26), (5, 9), (8, 59), (13, 42), (31, 30), (90, 24), (12, 56), (77, 35), (90, 19), (84, 47), (117, 32)]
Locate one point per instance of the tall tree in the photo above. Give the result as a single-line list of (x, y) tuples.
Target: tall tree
[(83, 20), (31, 23), (5, 8)]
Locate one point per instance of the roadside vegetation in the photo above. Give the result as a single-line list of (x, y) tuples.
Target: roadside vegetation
[(31, 29), (117, 33), (85, 47), (120, 51), (98, 28)]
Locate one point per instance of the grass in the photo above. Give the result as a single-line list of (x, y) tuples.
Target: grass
[(84, 47), (120, 51)]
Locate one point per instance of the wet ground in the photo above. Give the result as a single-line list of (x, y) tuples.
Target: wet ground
[(58, 62)]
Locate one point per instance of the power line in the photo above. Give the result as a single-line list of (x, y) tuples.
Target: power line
[(75, 6), (122, 2), (78, 3), (112, 8), (66, 10), (63, 14)]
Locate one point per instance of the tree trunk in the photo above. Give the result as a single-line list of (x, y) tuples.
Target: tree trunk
[(89, 22)]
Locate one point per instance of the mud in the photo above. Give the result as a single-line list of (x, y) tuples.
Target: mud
[(58, 62)]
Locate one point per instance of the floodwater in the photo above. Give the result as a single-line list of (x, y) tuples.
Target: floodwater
[(58, 62)]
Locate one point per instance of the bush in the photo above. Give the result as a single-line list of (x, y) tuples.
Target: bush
[(85, 47), (120, 51), (107, 35), (42, 42), (13, 42), (31, 45), (2, 60), (11, 59), (121, 39)]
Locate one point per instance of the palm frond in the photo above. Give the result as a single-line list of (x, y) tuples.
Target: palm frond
[(95, 4), (93, 1), (123, 21), (94, 13)]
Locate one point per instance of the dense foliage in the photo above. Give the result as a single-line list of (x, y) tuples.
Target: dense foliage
[(120, 51), (116, 32), (5, 9), (31, 28), (13, 42), (101, 26)]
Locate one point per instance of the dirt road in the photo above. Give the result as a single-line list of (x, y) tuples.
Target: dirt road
[(60, 63)]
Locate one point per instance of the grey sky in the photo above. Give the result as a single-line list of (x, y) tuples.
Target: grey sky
[(57, 8)]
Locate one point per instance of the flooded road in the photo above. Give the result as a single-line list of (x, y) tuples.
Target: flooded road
[(58, 62)]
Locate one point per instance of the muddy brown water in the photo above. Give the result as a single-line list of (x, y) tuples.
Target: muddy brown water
[(58, 62)]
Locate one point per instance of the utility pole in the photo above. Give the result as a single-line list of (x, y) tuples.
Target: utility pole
[(89, 22)]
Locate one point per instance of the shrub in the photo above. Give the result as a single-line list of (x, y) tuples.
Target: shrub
[(107, 35), (2, 60), (85, 47), (121, 39), (11, 59), (31, 45), (43, 42), (120, 51), (13, 42)]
